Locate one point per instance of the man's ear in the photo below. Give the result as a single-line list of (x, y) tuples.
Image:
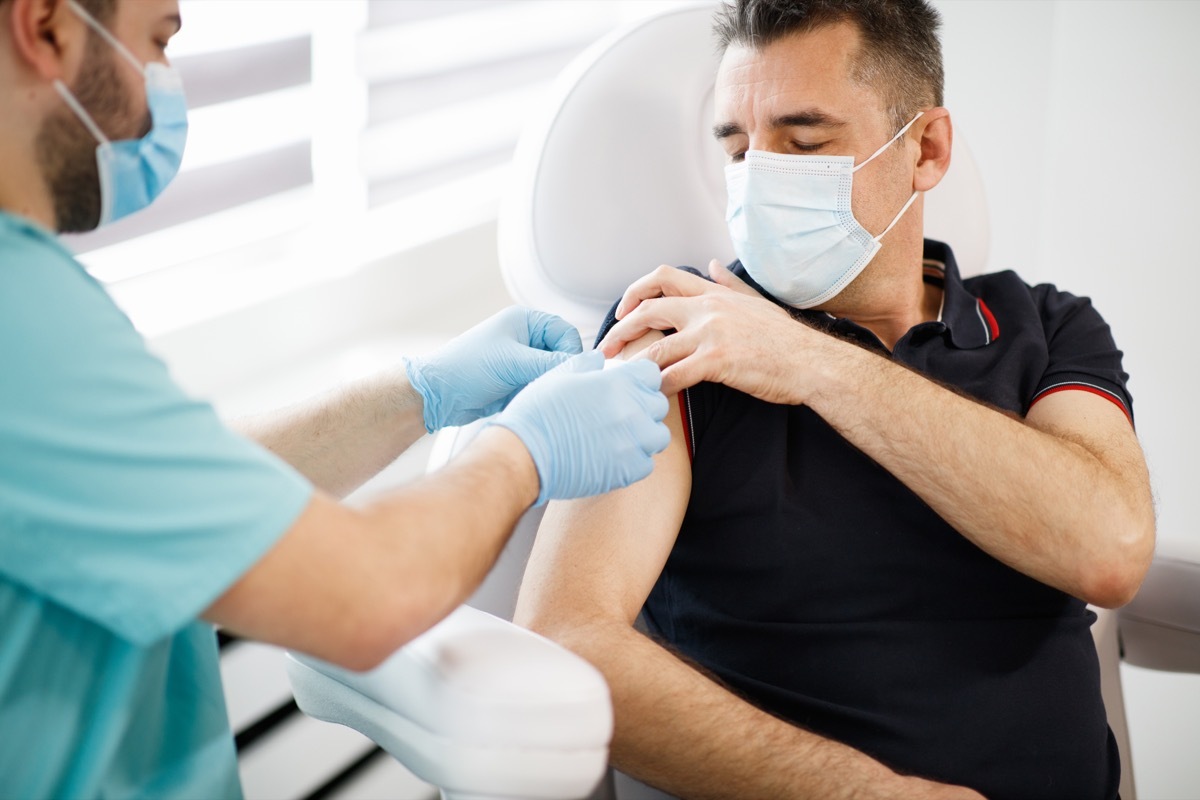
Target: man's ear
[(46, 36), (936, 136)]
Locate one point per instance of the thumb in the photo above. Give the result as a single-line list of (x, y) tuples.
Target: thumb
[(551, 332), (721, 274)]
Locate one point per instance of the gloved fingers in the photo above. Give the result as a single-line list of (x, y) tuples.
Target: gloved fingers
[(552, 332), (653, 403), (654, 437), (590, 361), (643, 370), (639, 469), (527, 365)]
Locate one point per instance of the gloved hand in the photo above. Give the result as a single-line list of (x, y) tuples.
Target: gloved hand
[(475, 374), (590, 430)]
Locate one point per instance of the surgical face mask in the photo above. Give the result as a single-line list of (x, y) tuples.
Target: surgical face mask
[(133, 172), (792, 226)]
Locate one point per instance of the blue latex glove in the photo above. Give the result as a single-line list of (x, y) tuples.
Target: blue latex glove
[(478, 373), (590, 430)]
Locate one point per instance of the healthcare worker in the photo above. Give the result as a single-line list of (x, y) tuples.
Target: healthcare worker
[(132, 519)]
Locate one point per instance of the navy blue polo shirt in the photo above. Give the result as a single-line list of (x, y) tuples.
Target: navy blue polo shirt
[(816, 585)]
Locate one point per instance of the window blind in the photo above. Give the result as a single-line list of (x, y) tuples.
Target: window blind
[(345, 120)]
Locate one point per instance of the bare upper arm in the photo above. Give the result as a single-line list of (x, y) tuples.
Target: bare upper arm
[(602, 555), (1102, 429), (1094, 423)]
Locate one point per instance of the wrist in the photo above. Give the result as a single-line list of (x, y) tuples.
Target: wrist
[(516, 462), (422, 393)]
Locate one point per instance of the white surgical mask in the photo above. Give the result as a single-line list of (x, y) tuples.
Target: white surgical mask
[(792, 227), (133, 172)]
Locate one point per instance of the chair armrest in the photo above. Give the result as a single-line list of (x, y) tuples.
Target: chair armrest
[(476, 706), (1160, 628)]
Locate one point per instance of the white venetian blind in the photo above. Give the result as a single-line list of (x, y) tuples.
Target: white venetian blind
[(326, 133)]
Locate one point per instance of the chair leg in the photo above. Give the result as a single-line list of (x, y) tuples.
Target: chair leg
[(1108, 649)]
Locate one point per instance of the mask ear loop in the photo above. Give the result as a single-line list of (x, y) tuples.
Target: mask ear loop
[(107, 36), (897, 217), (889, 142), (80, 112)]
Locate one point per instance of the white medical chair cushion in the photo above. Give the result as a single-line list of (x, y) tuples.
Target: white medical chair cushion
[(476, 704)]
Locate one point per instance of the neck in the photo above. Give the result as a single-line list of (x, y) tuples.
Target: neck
[(23, 189), (890, 297)]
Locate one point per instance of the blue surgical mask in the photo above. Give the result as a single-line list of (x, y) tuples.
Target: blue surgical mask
[(133, 172), (792, 226)]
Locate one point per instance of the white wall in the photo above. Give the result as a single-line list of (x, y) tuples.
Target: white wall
[(1084, 117)]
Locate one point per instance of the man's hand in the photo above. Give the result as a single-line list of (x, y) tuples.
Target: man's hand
[(590, 430), (725, 332), (476, 374)]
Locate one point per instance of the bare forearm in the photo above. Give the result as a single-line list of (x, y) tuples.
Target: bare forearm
[(456, 521), (1039, 502), (678, 730), (341, 439), (351, 586)]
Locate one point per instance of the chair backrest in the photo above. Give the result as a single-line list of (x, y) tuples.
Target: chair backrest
[(619, 172)]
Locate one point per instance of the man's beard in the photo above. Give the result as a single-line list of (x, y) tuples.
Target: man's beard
[(66, 150)]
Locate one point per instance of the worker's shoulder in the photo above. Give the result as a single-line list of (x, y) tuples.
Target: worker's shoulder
[(39, 275)]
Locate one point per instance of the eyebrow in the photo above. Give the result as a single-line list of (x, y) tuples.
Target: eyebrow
[(800, 119)]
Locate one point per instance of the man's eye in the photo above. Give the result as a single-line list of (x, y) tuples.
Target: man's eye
[(734, 158), (807, 148)]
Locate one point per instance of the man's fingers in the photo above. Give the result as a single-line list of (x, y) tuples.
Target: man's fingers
[(721, 274), (672, 349), (660, 314), (666, 281), (682, 375)]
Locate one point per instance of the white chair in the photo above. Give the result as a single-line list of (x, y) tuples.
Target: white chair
[(617, 174)]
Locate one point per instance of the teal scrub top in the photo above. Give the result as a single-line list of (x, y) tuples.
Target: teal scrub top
[(126, 509)]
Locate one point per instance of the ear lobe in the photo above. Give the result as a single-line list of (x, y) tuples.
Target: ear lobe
[(937, 137), (45, 36)]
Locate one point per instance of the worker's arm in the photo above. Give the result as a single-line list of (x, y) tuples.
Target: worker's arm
[(352, 586), (341, 439), (1062, 496), (593, 565)]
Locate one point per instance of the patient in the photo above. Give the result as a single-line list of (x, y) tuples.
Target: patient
[(863, 562)]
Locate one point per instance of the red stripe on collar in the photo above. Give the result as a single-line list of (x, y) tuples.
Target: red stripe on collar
[(990, 319)]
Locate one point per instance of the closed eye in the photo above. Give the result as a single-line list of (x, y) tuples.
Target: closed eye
[(807, 148)]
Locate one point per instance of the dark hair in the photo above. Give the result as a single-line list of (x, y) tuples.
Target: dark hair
[(901, 57)]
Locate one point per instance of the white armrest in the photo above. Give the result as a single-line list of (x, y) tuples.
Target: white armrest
[(476, 706), (1160, 628)]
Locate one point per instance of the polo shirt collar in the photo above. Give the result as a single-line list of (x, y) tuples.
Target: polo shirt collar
[(969, 321), (966, 317)]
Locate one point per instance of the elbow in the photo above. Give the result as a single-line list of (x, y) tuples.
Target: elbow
[(1113, 581), (574, 630)]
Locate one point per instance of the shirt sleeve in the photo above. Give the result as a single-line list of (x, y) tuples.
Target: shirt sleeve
[(121, 498), (1083, 354)]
